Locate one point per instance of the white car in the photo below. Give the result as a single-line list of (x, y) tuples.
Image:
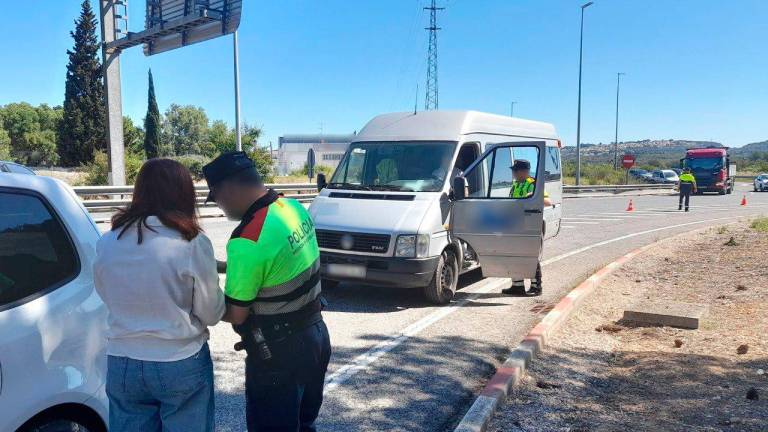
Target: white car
[(52, 322), (761, 183)]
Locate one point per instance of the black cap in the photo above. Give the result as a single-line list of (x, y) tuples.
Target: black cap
[(521, 164), (226, 165)]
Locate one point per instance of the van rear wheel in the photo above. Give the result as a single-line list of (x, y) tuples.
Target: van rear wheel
[(443, 285)]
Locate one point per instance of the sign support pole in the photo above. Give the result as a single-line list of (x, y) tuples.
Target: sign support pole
[(238, 132), (114, 110)]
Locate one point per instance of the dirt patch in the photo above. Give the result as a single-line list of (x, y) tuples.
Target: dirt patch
[(614, 376)]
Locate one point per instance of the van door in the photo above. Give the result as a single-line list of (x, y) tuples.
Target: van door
[(504, 231)]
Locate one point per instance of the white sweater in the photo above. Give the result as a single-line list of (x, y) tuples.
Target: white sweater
[(161, 294)]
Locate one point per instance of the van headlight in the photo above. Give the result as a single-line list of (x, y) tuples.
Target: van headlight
[(412, 246)]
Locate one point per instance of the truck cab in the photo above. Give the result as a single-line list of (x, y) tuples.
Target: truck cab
[(712, 169), (388, 216)]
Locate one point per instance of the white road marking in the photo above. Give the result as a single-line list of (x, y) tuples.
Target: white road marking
[(567, 226), (593, 218), (583, 222), (365, 360)]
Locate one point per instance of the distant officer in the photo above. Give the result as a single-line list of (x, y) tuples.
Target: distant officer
[(686, 186), (273, 297), (523, 186)]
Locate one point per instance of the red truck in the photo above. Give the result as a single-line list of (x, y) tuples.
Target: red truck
[(712, 168)]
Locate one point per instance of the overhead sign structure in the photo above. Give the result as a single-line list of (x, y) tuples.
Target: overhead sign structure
[(628, 161), (169, 24), (172, 24)]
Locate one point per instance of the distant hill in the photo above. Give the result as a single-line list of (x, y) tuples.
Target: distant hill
[(647, 151), (757, 147)]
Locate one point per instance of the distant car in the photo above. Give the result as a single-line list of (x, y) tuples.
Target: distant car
[(664, 176), (14, 168), (677, 171), (640, 174), (761, 183)]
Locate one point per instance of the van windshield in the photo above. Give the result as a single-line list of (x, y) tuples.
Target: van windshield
[(408, 166), (704, 164)]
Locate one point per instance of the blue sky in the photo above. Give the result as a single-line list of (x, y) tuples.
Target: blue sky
[(696, 69)]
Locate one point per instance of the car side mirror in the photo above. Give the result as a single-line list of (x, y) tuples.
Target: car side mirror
[(321, 182), (459, 188)]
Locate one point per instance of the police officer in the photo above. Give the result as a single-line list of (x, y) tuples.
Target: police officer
[(686, 185), (523, 186), (273, 297)]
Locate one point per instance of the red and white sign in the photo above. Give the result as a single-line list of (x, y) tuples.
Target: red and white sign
[(628, 161)]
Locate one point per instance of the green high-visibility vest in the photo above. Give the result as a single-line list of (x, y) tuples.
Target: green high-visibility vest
[(522, 189), (687, 178)]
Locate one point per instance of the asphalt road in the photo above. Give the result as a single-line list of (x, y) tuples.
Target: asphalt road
[(400, 363)]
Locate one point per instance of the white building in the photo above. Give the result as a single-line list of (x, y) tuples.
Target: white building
[(292, 151)]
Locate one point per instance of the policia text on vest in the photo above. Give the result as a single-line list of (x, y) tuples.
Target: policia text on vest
[(273, 297)]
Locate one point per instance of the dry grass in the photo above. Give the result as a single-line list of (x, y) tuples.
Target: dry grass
[(660, 378)]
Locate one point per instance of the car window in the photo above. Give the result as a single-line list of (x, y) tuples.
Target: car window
[(502, 182), (36, 254), (18, 169)]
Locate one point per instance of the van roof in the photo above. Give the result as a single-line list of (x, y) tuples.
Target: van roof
[(449, 126)]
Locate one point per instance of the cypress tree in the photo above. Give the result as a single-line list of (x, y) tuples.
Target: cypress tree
[(83, 127), (152, 123)]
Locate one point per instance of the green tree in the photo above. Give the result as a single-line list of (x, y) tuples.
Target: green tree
[(83, 128), (49, 118), (263, 161), (185, 130), (20, 119), (152, 125), (133, 137), (5, 144), (221, 137), (40, 148)]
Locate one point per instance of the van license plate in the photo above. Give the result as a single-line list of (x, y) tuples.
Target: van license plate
[(346, 270)]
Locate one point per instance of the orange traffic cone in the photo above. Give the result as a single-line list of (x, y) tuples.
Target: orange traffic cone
[(630, 207), (744, 200)]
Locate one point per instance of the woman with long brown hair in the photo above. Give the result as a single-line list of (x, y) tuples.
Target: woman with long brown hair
[(156, 272)]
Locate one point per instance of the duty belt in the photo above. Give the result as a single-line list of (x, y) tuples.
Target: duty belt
[(281, 326)]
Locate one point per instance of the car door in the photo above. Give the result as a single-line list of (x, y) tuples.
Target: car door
[(505, 232)]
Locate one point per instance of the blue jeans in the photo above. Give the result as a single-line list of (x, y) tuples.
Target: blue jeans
[(150, 396)]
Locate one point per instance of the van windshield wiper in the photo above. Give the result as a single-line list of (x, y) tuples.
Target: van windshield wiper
[(391, 188), (338, 185)]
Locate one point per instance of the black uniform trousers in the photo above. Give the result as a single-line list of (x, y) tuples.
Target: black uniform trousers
[(685, 194), (285, 393)]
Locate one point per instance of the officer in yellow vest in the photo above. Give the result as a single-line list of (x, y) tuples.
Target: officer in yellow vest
[(523, 186), (686, 185)]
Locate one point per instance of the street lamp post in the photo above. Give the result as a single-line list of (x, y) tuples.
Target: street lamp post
[(616, 135), (512, 109), (578, 115)]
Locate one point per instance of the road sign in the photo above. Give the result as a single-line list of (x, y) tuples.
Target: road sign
[(310, 163), (172, 24), (628, 161)]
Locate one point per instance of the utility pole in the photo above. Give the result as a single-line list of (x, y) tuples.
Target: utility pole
[(431, 102), (616, 135), (238, 131), (113, 98), (512, 109), (578, 116)]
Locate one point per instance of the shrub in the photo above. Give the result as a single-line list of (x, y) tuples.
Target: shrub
[(760, 224), (194, 164), (97, 172)]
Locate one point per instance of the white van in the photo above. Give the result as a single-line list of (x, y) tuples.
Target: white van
[(391, 214)]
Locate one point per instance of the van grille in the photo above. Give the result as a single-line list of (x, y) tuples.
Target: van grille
[(360, 242)]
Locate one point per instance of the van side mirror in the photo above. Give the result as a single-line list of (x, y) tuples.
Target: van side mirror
[(459, 188), (321, 182)]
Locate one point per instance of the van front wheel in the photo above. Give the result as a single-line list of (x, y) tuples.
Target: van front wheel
[(443, 285)]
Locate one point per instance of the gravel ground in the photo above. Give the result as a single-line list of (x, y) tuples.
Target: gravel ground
[(602, 374)]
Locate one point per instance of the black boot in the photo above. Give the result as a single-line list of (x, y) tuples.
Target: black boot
[(535, 284), (517, 288), (686, 209), (680, 207)]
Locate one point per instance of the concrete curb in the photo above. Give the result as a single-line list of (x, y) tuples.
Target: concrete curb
[(508, 375)]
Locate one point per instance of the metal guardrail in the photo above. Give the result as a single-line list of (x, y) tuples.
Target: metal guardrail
[(97, 198), (617, 188), (105, 198)]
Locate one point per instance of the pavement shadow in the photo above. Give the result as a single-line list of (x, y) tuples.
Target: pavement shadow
[(585, 390), (426, 384), (358, 298)]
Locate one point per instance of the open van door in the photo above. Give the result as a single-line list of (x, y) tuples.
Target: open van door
[(505, 232)]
